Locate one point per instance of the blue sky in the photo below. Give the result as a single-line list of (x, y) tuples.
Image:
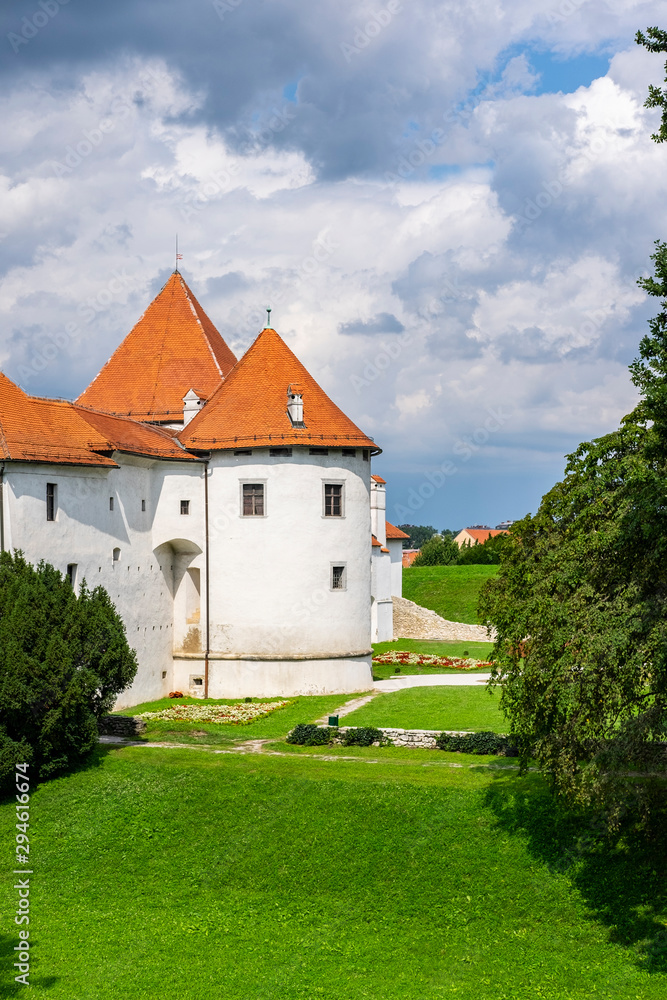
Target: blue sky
[(446, 205)]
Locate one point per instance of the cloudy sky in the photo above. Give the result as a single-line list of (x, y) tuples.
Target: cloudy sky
[(446, 204)]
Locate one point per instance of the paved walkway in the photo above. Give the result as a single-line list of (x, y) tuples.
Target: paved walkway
[(398, 682)]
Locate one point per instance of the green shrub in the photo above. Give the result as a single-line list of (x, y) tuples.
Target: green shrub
[(479, 743), (437, 551), (310, 735), (363, 736), (63, 661)]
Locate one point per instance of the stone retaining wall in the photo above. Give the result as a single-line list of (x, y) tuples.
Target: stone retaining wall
[(121, 725), (422, 739), (411, 621)]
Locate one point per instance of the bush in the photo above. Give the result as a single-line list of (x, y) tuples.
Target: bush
[(63, 661), (437, 551), (362, 736), (487, 553), (479, 743), (310, 735)]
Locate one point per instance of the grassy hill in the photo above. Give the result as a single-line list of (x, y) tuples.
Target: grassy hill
[(451, 591)]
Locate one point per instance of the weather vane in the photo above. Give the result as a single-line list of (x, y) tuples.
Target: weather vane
[(268, 316), (179, 256)]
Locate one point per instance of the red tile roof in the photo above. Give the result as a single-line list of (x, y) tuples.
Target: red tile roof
[(173, 348), (33, 429), (379, 479), (375, 544), (482, 534), (394, 532), (250, 407)]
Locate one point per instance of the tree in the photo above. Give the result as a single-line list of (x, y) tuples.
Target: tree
[(63, 661), (437, 551), (419, 533), (486, 553), (655, 40), (580, 607)]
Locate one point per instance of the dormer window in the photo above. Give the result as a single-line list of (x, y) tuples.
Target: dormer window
[(191, 406), (295, 406)]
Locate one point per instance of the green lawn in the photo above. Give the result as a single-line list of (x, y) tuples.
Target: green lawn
[(479, 650), (432, 708), (451, 591), (278, 723), (180, 875)]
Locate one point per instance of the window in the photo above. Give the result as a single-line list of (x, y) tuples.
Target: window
[(365, 454), (71, 574), (253, 499), (338, 577), (243, 451), (116, 555), (110, 503), (350, 452), (143, 505), (319, 451), (51, 501), (185, 506), (280, 452), (333, 500)]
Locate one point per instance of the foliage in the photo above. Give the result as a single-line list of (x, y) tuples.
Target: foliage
[(419, 533), (63, 661), (486, 553), (655, 40), (476, 743), (310, 735), (450, 591), (363, 736), (580, 607), (437, 551)]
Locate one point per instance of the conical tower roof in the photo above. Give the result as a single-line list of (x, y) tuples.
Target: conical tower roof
[(250, 407), (173, 348)]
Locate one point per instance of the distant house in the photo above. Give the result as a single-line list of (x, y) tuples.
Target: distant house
[(395, 539), (409, 556), (477, 536)]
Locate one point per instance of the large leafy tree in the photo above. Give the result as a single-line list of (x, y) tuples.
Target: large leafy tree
[(580, 602), (64, 659)]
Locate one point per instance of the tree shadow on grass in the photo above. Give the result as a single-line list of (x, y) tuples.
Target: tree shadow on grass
[(622, 880), (8, 985), (93, 759)]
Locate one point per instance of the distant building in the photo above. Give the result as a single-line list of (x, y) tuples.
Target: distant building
[(477, 536), (409, 556), (504, 525)]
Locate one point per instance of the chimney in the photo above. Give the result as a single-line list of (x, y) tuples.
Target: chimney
[(295, 406), (191, 406)]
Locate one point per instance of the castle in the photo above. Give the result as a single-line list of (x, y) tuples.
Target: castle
[(227, 506)]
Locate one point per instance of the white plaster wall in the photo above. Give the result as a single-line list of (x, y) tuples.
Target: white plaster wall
[(277, 678), (379, 511), (271, 576), (382, 617), (86, 532), (395, 547)]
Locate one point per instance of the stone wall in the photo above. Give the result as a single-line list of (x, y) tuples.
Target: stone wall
[(411, 621), (422, 739), (121, 725)]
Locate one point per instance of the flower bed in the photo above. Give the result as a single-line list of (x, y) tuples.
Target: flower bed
[(236, 715), (398, 658)]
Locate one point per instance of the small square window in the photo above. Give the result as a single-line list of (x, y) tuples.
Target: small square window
[(253, 499), (185, 506), (350, 452), (319, 451), (280, 452), (243, 451), (333, 500), (51, 501), (338, 577), (143, 505), (110, 503)]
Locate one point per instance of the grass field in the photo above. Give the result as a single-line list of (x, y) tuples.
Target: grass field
[(432, 708), (451, 591), (378, 875), (478, 650)]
